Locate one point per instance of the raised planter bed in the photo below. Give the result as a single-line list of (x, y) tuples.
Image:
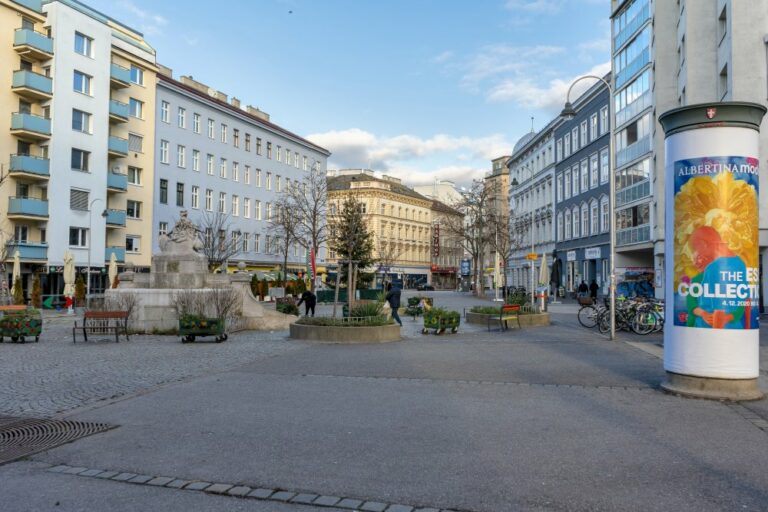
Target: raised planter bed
[(192, 326), (532, 320), (324, 334)]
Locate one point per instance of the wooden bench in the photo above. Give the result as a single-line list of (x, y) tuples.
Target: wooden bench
[(507, 312), (8, 309), (103, 322)]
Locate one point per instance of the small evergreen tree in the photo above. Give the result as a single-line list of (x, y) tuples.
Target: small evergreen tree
[(37, 295), (18, 292), (79, 291), (351, 240), (264, 287), (255, 285)]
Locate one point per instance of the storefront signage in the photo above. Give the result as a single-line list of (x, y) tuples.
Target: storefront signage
[(592, 253), (570, 256), (466, 267), (436, 240)]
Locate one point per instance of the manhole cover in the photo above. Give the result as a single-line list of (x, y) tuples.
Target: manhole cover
[(20, 437)]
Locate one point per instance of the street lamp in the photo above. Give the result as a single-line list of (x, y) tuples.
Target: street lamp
[(569, 113), (90, 247)]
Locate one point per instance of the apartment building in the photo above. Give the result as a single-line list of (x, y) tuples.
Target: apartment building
[(582, 193), (532, 204), (84, 93), (399, 218), (226, 164), (496, 182), (666, 55)]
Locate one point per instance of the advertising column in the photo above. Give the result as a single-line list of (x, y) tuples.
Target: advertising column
[(711, 332)]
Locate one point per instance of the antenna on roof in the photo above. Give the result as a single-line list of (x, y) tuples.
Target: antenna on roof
[(532, 130)]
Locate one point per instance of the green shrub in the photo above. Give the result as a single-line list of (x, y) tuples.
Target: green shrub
[(485, 310), (372, 321), (288, 309), (37, 300), (80, 290), (367, 309), (516, 298), (18, 293)]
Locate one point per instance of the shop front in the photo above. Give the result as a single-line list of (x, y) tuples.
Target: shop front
[(444, 278), (584, 264)]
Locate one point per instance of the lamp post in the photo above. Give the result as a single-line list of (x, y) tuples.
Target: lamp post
[(90, 247), (569, 113)]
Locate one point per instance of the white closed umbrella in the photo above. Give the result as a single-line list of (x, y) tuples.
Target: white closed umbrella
[(16, 273), (544, 272), (69, 274), (112, 269)]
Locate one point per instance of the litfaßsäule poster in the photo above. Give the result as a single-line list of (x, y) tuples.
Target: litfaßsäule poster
[(716, 243)]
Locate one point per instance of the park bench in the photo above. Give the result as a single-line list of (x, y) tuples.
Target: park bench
[(19, 322), (507, 312), (103, 322)]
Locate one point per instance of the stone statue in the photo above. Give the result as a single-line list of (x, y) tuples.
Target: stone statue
[(183, 238)]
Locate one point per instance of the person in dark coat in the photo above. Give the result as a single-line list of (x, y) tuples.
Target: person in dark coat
[(309, 299), (593, 288), (583, 289), (393, 298)]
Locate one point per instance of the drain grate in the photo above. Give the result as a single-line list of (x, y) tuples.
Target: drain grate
[(21, 437)]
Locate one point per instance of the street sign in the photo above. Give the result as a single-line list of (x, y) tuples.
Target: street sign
[(532, 256)]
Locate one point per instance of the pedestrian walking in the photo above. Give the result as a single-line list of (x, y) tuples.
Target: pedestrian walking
[(593, 288), (393, 299), (309, 299), (583, 289)]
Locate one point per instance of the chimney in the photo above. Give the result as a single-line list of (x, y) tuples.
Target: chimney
[(221, 96), (235, 102), (164, 70), (198, 86), (254, 111)]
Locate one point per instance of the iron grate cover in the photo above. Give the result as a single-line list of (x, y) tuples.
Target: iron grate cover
[(21, 437)]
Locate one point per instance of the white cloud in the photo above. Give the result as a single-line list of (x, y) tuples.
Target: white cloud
[(412, 158), (149, 22), (443, 57)]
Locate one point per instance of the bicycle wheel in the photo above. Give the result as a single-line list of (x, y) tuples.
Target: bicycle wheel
[(588, 316), (644, 322), (604, 322)]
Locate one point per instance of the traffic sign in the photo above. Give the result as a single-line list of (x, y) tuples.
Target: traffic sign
[(532, 256)]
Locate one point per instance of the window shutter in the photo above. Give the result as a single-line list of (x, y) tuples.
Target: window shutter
[(78, 199)]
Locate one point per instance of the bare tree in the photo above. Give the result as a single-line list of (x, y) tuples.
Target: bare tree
[(473, 230), (283, 225), (388, 253), (501, 239), (5, 248), (307, 200), (219, 243)]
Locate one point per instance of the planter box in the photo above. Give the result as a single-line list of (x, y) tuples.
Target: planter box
[(191, 326), (19, 325), (377, 334), (532, 320), (448, 323)]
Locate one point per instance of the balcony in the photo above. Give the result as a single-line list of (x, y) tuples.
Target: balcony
[(633, 67), (30, 167), (633, 151), (117, 147), (31, 85), (632, 26), (31, 127), (28, 251), (32, 45), (633, 193), (119, 253), (118, 112), (33, 5), (119, 77), (634, 235), (115, 218), (117, 182), (27, 208), (643, 102)]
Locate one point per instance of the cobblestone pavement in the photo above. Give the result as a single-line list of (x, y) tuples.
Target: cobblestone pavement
[(54, 376)]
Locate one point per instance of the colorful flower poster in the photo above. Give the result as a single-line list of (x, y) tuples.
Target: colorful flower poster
[(716, 243)]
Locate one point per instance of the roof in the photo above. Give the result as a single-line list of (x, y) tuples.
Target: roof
[(254, 119), (525, 139), (439, 206), (336, 183)]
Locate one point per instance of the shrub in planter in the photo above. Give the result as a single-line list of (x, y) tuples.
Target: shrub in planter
[(366, 309), (80, 290), (441, 320), (371, 321), (286, 305), (36, 296)]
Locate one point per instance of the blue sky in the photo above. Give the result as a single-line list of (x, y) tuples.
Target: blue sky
[(419, 89)]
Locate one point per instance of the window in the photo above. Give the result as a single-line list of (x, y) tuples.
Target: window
[(247, 174), (567, 145), (584, 140), (181, 117), (196, 160), (603, 120), (634, 132), (722, 84), (593, 127), (80, 159), (235, 171), (163, 191), (179, 194), (211, 129), (134, 175), (278, 186), (269, 211), (245, 242), (78, 199), (604, 166), (258, 146), (135, 143), (165, 115), (235, 205), (81, 121), (584, 175), (559, 226), (209, 164), (133, 209), (137, 75), (236, 137), (209, 200), (223, 168), (269, 150), (256, 240), (269, 181), (575, 139), (267, 244), (258, 177), (247, 141), (594, 221), (603, 214), (78, 237), (593, 171), (222, 202), (568, 224), (162, 228), (83, 44), (181, 156), (223, 133), (257, 210), (82, 83), (132, 243), (575, 182), (196, 123), (567, 184), (559, 150), (584, 220), (195, 203), (304, 163), (279, 154), (559, 187), (247, 207), (575, 219), (296, 160), (164, 152), (136, 108)]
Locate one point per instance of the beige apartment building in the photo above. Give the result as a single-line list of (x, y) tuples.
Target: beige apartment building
[(399, 218), (497, 183)]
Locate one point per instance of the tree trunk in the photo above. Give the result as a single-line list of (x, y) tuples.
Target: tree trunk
[(336, 294), (350, 290)]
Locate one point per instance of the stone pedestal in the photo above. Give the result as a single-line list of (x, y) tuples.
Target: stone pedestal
[(186, 270)]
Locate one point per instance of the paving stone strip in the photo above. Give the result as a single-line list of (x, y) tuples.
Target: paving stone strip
[(246, 492), (749, 415)]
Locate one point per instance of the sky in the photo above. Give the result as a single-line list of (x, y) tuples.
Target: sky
[(417, 89)]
